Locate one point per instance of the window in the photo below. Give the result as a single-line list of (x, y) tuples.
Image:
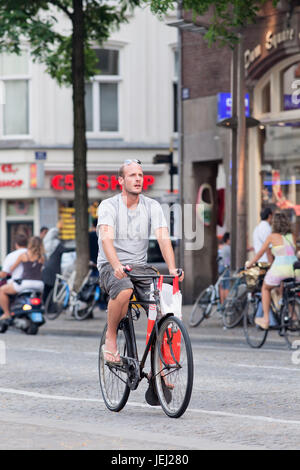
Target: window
[(290, 78), (102, 94), (266, 98), (175, 90), (14, 75)]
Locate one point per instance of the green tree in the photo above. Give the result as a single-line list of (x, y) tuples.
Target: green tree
[(71, 60), (225, 19)]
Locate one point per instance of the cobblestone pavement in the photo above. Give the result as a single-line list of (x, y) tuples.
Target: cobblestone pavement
[(242, 398)]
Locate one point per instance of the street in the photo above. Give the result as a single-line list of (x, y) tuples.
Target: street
[(242, 398)]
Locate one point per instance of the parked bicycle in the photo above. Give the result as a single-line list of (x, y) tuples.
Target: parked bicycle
[(284, 317), (81, 305), (171, 366), (208, 302)]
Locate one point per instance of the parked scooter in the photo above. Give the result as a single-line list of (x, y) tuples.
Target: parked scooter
[(27, 312)]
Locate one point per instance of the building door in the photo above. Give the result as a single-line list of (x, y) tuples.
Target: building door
[(14, 229), (205, 188)]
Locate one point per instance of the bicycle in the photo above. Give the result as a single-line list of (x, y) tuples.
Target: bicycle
[(284, 318), (232, 308), (171, 359), (81, 304)]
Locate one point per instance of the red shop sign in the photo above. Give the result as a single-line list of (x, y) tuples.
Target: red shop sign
[(104, 182)]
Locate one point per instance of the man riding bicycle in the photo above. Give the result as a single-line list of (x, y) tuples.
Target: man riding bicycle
[(125, 223)]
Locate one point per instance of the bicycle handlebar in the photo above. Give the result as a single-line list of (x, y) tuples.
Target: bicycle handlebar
[(128, 269)]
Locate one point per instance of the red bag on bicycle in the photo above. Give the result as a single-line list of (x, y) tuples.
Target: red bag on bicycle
[(170, 301), (172, 339)]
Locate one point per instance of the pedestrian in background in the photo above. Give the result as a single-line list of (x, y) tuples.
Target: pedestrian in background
[(43, 232), (261, 233), (224, 265), (93, 242), (54, 249)]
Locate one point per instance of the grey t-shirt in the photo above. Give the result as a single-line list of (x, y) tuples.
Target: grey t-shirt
[(132, 228)]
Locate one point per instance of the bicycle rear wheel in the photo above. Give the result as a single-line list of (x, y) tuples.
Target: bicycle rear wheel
[(202, 307), (113, 380), (53, 309), (172, 367), (290, 319), (234, 305), (255, 335)]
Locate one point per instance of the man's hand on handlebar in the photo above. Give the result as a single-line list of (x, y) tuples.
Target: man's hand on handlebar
[(119, 271), (176, 272)]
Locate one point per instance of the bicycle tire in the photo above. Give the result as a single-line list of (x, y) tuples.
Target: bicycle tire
[(290, 321), (233, 308), (83, 314), (174, 395), (255, 336), (201, 308), (113, 383), (52, 309)]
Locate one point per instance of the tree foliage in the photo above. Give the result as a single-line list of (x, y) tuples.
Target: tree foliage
[(226, 17), (37, 23)]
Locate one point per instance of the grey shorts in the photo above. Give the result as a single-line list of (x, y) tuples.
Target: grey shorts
[(113, 286)]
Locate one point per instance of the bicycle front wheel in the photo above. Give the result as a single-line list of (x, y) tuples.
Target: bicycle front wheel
[(113, 380), (172, 367), (52, 309), (255, 335), (202, 307)]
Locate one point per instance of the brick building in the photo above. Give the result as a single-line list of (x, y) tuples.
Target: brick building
[(271, 50)]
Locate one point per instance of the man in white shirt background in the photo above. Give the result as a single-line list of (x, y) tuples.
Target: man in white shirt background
[(21, 247), (261, 233)]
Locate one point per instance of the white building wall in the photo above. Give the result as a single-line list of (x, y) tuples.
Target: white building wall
[(146, 100), (146, 47)]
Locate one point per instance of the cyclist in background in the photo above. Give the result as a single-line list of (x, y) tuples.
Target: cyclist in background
[(283, 243), (125, 223)]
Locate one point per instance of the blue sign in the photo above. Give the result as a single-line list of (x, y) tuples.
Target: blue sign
[(41, 155), (225, 106)]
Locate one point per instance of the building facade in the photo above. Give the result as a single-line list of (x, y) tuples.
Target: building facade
[(271, 52), (131, 113)]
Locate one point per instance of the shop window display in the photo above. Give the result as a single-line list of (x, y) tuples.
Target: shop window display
[(280, 149), (67, 215), (290, 81)]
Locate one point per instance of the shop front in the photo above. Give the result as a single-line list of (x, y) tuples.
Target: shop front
[(102, 183), (19, 209), (274, 145), (33, 195)]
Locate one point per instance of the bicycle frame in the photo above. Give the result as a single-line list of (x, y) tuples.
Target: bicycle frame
[(154, 332), (64, 295)]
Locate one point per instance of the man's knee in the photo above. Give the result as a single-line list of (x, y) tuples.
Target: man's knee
[(124, 296)]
